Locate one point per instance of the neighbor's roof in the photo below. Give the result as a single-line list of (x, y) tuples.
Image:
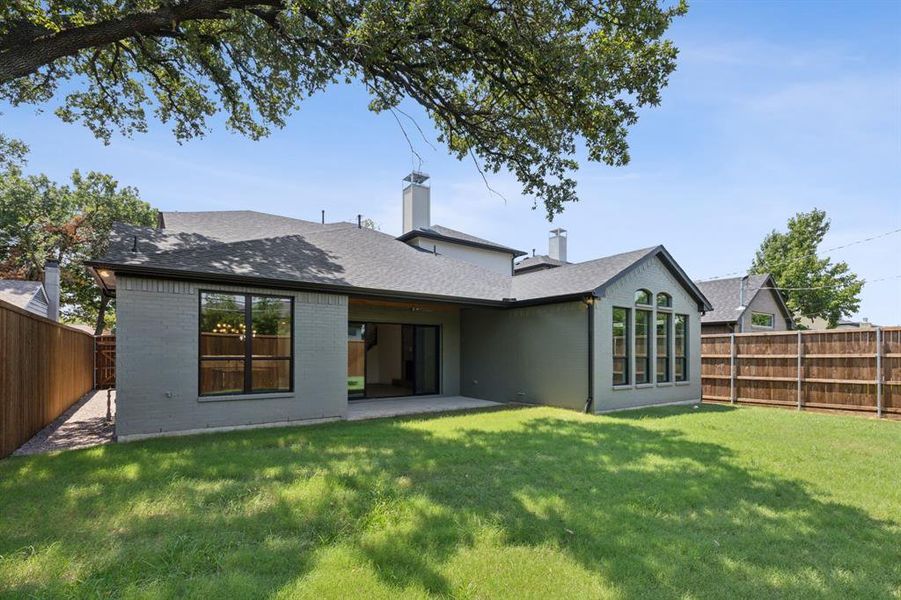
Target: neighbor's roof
[(725, 294), (343, 258), (440, 232), (535, 263), (20, 292)]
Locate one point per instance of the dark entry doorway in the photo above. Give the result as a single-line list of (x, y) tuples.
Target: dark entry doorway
[(391, 359)]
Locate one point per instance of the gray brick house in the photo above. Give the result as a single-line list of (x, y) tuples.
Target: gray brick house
[(235, 319)]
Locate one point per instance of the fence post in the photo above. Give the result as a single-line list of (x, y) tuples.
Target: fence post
[(800, 368), (732, 368), (878, 372)]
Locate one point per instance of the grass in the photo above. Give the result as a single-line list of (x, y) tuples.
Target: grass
[(539, 502)]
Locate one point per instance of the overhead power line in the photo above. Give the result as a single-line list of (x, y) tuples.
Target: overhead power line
[(854, 243), (826, 287)]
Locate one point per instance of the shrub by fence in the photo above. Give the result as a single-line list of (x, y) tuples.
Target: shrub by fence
[(858, 370), (44, 368)]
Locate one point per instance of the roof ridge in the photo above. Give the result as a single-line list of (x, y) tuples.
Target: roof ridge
[(569, 265)]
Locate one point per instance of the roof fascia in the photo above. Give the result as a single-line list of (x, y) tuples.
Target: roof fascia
[(411, 235), (347, 290), (673, 267)]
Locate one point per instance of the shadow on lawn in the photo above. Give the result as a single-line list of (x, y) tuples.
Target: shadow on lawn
[(644, 510)]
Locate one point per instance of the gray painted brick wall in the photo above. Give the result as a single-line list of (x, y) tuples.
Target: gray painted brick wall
[(654, 276), (157, 361), (536, 354)]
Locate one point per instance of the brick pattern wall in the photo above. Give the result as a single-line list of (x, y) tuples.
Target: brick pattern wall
[(157, 361)]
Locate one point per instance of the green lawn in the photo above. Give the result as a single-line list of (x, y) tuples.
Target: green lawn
[(667, 503)]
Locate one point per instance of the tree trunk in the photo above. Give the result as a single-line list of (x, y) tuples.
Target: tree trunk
[(101, 314)]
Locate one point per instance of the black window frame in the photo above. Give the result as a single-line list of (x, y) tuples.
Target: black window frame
[(650, 333), (667, 299), (438, 363), (646, 292), (668, 338), (248, 346), (627, 369), (685, 345)]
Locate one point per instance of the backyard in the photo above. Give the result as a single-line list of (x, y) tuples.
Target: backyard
[(533, 502)]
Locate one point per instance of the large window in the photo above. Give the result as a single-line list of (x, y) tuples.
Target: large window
[(642, 346), (663, 327), (246, 343), (680, 334), (620, 346)]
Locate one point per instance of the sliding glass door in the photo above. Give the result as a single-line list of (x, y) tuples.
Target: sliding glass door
[(391, 359)]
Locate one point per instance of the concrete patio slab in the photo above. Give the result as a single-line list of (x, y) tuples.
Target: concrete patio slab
[(360, 410), (82, 426)]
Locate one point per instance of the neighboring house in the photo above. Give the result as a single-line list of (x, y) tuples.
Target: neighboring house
[(744, 304), (34, 296), (232, 319)]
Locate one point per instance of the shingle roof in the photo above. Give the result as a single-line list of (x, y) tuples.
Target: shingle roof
[(238, 225), (19, 292), (725, 295), (442, 232), (575, 278), (534, 263), (336, 256)]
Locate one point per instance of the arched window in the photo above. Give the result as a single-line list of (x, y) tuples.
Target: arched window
[(664, 300), (643, 297)]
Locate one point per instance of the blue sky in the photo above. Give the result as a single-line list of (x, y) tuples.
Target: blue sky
[(776, 107)]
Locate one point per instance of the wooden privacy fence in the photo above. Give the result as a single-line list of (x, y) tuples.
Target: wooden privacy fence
[(858, 370), (44, 368)]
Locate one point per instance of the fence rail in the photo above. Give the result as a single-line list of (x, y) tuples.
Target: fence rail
[(44, 368), (855, 370)]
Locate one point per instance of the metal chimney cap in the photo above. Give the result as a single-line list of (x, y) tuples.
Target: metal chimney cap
[(417, 177), (559, 231)]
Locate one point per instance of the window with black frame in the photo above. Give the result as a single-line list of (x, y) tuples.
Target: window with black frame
[(680, 335), (663, 328), (620, 346), (246, 343), (643, 346)]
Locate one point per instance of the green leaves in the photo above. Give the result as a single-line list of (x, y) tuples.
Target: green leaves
[(41, 220), (814, 286), (513, 84)]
